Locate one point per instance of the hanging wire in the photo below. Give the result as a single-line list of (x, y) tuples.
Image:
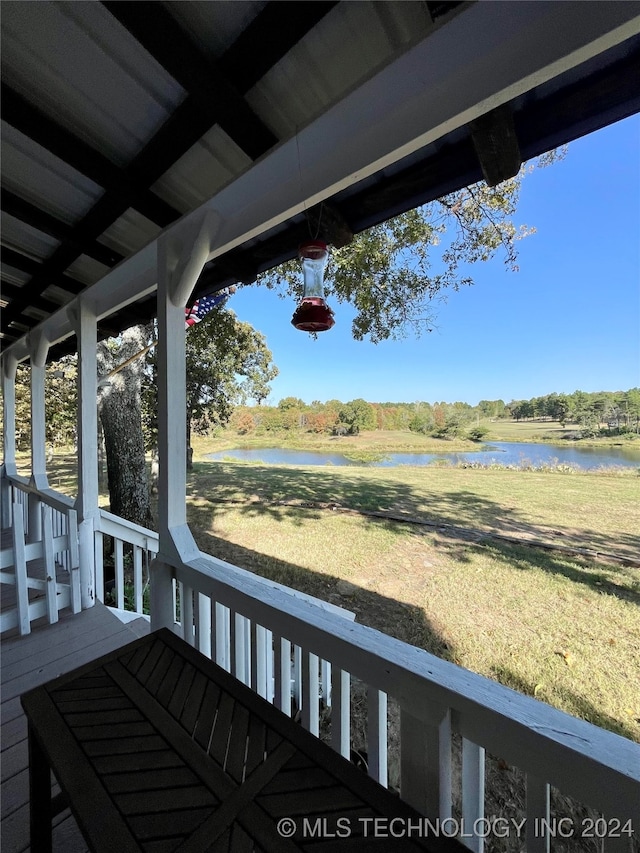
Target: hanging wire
[(311, 234)]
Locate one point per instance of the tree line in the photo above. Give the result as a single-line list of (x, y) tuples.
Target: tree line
[(591, 412)]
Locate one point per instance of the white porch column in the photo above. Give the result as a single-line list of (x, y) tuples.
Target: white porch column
[(180, 261), (9, 367), (38, 348), (85, 324)]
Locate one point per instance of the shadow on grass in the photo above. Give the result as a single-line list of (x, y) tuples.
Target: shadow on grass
[(257, 490), (403, 621), (579, 706), (624, 584)]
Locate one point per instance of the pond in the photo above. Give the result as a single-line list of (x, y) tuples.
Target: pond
[(502, 452)]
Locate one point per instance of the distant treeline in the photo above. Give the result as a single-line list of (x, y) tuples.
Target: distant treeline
[(591, 412)]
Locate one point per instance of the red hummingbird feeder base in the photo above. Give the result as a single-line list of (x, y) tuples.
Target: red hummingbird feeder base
[(313, 315)]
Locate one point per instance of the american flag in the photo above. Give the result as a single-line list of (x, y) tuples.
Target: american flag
[(201, 307)]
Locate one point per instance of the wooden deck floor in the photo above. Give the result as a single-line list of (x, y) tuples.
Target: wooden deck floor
[(26, 662)]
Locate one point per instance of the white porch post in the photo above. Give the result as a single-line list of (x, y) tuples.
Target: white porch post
[(180, 262), (38, 348), (9, 367), (85, 324)]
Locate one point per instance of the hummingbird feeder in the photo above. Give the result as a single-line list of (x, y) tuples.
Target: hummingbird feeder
[(313, 314)]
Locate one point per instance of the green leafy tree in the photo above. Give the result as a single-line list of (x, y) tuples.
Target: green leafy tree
[(396, 273), (357, 415), (228, 363)]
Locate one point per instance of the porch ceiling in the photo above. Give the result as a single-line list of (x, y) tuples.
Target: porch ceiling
[(118, 118)]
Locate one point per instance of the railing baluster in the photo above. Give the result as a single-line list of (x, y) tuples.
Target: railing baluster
[(268, 664), (49, 565), (259, 659), (222, 636), (538, 804), (175, 591), (472, 792), (137, 579), (341, 711), (310, 690), (20, 568), (237, 641), (377, 735), (425, 765), (72, 530), (282, 674), (99, 557), (296, 676), (119, 573), (325, 681), (203, 624), (186, 614)]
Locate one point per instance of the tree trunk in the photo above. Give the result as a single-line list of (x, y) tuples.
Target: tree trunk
[(120, 415)]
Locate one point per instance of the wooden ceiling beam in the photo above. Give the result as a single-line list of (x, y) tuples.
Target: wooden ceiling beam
[(496, 143), (26, 264), (11, 292), (49, 134), (162, 36), (271, 34), (54, 227), (177, 135)]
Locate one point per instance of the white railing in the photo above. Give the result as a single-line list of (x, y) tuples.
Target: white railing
[(303, 658), (39, 570), (132, 550)]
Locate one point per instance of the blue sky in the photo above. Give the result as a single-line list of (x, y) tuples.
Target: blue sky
[(569, 319)]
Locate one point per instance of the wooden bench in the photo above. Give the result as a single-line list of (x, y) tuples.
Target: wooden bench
[(158, 749)]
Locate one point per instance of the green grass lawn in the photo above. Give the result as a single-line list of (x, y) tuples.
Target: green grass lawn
[(558, 627)]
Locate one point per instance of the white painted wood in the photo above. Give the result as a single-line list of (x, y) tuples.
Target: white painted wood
[(6, 500), (296, 676), (310, 693), (118, 559), (325, 681), (269, 663), (8, 375), (533, 736), (38, 352), (137, 579), (75, 590), (413, 760), (20, 563), (222, 636), (438, 767), (260, 651), (538, 815), (172, 436), (49, 565), (113, 525), (341, 711), (34, 523), (72, 531), (83, 319), (203, 624), (238, 636), (377, 735), (99, 565), (391, 115), (473, 779), (186, 614), (161, 596), (37, 610), (282, 668)]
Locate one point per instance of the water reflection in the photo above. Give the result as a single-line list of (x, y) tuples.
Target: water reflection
[(501, 452)]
